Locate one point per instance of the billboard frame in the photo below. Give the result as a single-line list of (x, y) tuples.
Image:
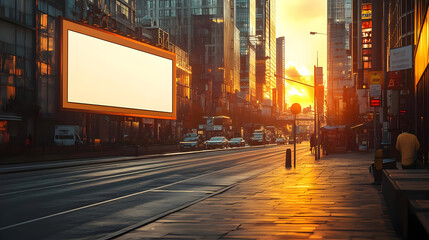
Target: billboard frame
[(91, 31)]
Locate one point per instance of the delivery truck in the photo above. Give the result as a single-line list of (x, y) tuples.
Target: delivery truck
[(68, 135)]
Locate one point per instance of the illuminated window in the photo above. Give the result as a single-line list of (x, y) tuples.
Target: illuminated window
[(366, 51), (366, 24), (123, 10), (367, 65)]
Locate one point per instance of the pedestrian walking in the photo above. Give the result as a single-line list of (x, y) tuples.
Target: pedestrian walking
[(324, 142), (312, 143), (408, 145)]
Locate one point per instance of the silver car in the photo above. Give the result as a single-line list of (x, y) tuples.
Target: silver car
[(217, 142), (237, 142)]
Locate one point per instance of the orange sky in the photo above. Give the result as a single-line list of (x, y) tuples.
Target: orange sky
[(295, 21)]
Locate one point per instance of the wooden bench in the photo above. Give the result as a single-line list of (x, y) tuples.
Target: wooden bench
[(418, 219), (399, 187)]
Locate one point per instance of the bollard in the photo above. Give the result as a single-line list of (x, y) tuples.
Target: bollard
[(378, 161), (288, 158), (378, 166)]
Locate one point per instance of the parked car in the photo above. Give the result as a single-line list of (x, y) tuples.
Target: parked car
[(217, 142), (192, 142), (280, 140), (237, 142), (298, 140)]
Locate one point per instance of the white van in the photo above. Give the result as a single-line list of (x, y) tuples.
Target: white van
[(67, 135)]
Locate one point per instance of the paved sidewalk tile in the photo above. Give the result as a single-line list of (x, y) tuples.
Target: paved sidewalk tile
[(331, 198)]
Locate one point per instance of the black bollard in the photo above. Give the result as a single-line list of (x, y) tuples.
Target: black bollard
[(288, 158)]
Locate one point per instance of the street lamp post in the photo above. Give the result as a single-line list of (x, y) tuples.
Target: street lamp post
[(316, 113)]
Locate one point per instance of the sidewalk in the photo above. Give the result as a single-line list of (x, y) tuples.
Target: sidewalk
[(331, 198)]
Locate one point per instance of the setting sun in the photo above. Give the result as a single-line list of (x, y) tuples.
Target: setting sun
[(295, 92)]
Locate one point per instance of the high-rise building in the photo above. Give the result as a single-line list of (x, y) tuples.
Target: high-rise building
[(339, 55), (207, 31), (266, 54), (280, 75), (421, 73), (29, 73), (246, 23)]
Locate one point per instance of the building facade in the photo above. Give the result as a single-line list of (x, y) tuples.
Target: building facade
[(266, 55), (246, 23), (206, 30), (400, 100), (421, 72), (339, 56), (29, 73)]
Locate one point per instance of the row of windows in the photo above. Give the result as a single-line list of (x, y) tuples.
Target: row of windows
[(182, 3), (21, 11)]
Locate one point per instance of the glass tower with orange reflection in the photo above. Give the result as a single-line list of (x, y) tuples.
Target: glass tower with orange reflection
[(421, 73)]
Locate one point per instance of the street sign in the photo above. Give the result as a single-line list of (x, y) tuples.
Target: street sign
[(295, 108), (376, 77), (374, 102), (395, 80), (375, 90)]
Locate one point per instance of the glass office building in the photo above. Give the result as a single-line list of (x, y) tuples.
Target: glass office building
[(29, 71), (246, 23), (206, 30), (339, 55), (266, 54)]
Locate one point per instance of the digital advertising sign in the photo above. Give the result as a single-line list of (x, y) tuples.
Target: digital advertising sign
[(106, 73)]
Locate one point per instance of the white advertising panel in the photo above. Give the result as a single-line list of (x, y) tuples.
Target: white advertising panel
[(107, 73), (401, 58)]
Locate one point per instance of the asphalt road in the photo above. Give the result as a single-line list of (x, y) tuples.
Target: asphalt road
[(98, 201)]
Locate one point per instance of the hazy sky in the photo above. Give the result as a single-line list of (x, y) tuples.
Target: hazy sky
[(295, 20)]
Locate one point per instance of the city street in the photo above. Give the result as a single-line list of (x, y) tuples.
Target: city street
[(93, 201), (168, 120), (329, 198)]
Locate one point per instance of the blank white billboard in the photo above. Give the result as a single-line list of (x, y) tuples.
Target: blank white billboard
[(116, 78)]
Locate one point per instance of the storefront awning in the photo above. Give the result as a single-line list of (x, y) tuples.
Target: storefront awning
[(328, 127), (365, 124), (10, 118)]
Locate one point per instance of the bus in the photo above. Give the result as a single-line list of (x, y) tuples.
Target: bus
[(218, 126)]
